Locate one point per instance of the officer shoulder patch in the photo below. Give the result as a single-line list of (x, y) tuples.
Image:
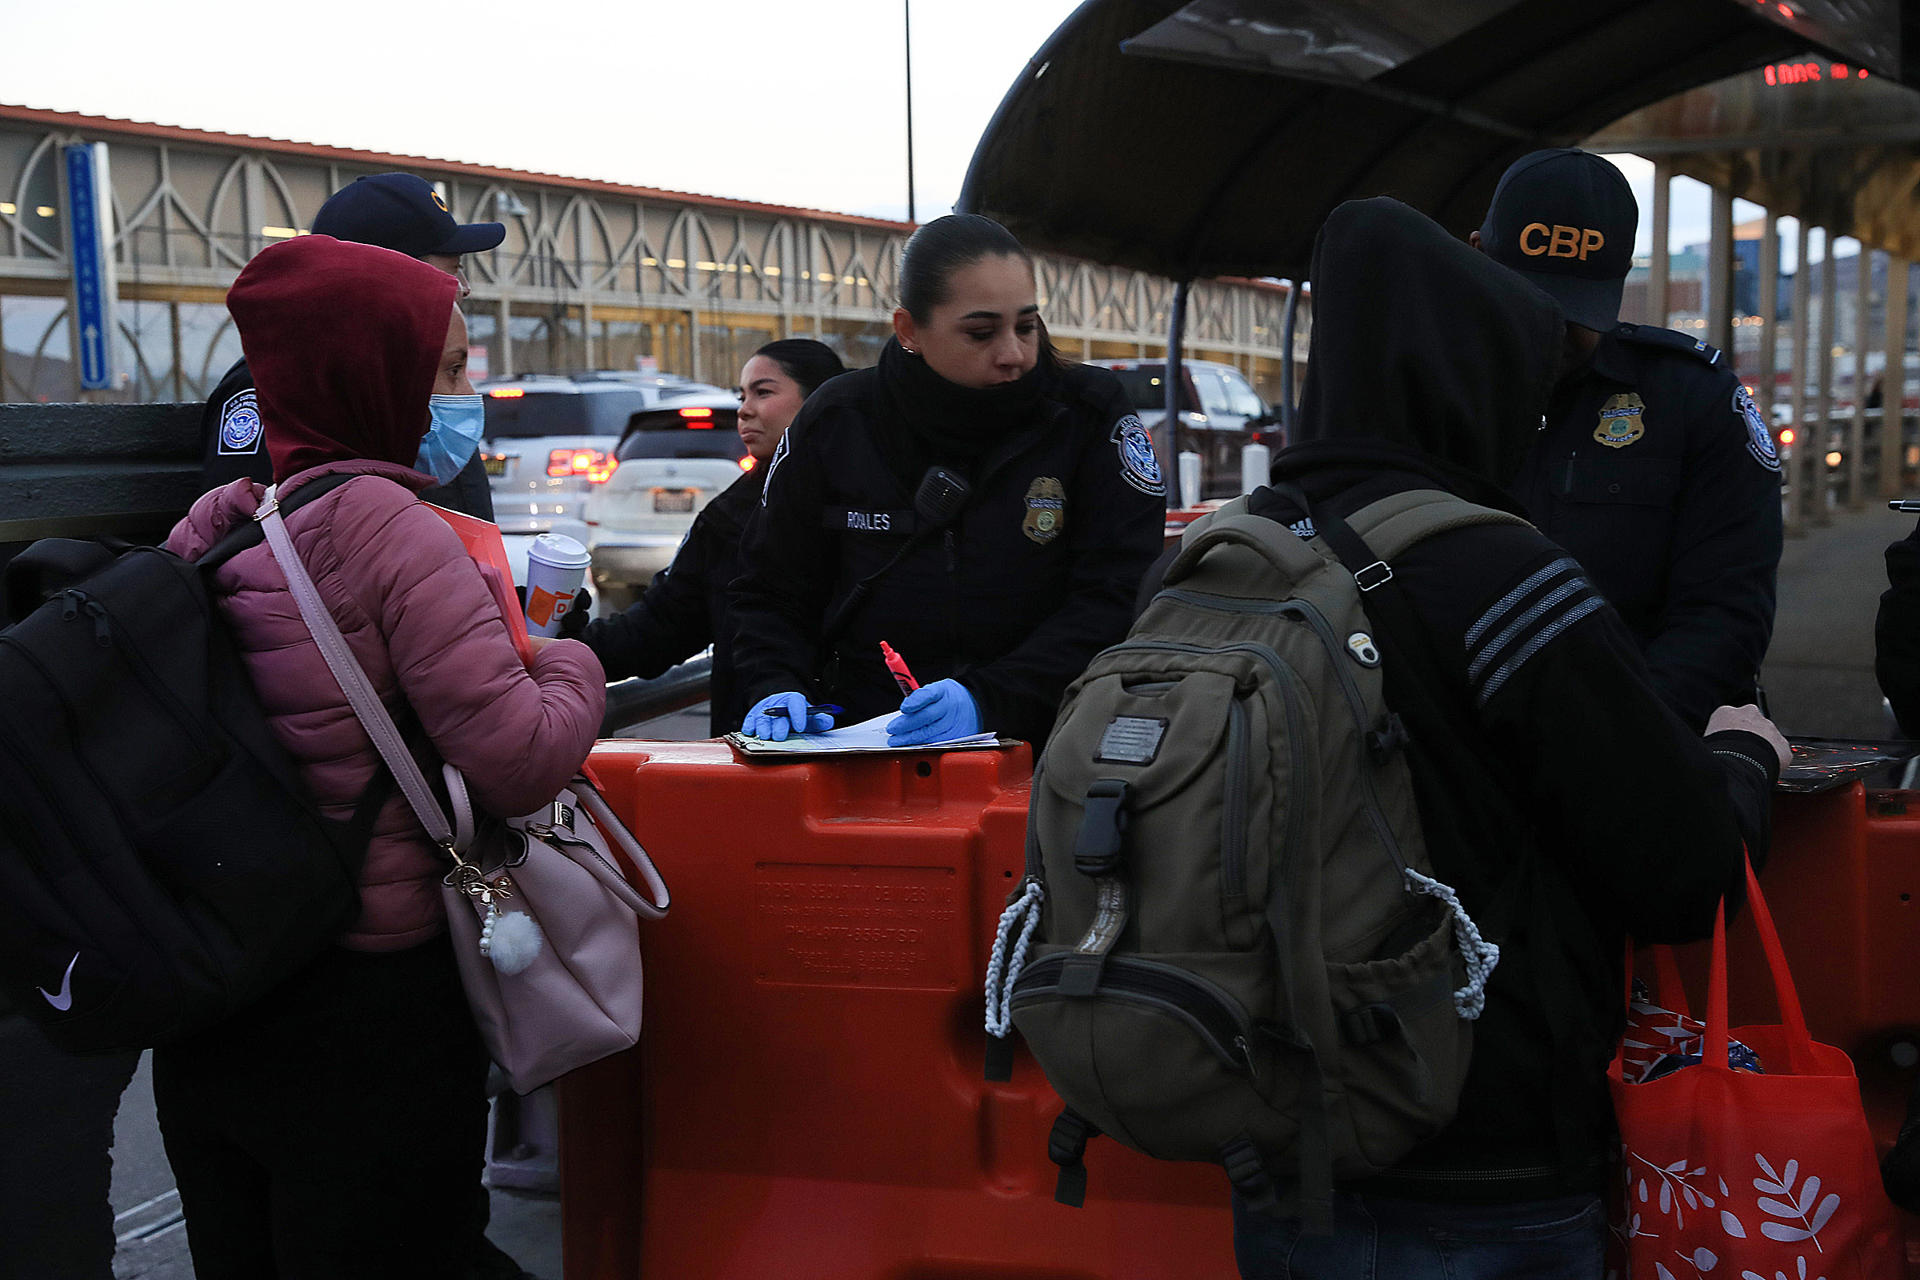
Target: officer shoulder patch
[(1667, 339), (1137, 461), (240, 424), (1759, 436)]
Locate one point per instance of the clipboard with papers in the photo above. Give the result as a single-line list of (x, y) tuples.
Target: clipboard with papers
[(869, 737)]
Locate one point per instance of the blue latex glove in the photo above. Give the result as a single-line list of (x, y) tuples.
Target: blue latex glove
[(762, 723), (934, 713)]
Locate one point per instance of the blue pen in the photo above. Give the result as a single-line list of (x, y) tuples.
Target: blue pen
[(826, 708)]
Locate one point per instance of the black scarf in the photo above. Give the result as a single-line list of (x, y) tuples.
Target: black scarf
[(926, 419)]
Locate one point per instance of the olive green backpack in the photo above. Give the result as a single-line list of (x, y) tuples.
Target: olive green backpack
[(1229, 945)]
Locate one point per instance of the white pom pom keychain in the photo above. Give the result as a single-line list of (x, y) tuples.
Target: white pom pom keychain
[(511, 939)]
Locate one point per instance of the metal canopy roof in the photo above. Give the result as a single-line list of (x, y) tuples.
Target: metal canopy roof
[(1212, 138)]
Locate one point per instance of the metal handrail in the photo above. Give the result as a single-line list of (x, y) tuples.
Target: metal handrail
[(632, 702)]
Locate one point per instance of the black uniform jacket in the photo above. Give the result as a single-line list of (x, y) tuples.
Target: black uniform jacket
[(1896, 634), (1035, 576), (1558, 794), (1653, 473), (685, 609), (235, 447)]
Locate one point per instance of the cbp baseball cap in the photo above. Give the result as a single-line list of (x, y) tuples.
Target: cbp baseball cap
[(1565, 219), (404, 213)]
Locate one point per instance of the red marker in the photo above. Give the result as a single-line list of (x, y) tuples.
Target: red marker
[(898, 666)]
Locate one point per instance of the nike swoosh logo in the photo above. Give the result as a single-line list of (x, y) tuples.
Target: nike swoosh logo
[(63, 1001)]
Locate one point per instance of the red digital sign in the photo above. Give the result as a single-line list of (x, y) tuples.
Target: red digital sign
[(1810, 71)]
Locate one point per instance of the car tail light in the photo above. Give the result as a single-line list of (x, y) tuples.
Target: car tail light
[(749, 462), (696, 413), (602, 471), (697, 418), (506, 393), (580, 462)]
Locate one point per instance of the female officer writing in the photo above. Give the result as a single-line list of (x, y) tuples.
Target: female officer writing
[(981, 505)]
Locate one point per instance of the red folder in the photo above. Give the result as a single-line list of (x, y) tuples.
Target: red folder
[(482, 541)]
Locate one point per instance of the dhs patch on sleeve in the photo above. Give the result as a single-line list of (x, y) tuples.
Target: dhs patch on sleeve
[(1759, 438), (240, 424), (1137, 461)]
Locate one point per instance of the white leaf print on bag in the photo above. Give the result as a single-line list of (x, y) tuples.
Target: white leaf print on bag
[(1675, 1187), (1794, 1207), (1801, 1267)]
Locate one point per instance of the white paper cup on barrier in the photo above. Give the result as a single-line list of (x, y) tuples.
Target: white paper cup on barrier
[(556, 569)]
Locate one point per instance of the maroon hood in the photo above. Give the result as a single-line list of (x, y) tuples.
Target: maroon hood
[(344, 342)]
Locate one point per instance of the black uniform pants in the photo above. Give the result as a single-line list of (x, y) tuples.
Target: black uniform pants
[(56, 1110), (336, 1129)]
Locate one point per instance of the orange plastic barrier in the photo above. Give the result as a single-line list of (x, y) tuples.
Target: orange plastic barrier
[(808, 1099)]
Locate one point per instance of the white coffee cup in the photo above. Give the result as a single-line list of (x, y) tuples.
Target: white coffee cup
[(556, 569)]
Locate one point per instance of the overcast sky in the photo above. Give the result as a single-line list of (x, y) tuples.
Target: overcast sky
[(784, 101)]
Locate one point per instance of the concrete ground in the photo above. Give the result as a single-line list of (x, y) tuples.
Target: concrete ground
[(1819, 670)]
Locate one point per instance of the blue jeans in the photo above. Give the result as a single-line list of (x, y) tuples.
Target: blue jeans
[(1380, 1239)]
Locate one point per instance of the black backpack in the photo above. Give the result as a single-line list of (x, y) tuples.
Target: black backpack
[(161, 864)]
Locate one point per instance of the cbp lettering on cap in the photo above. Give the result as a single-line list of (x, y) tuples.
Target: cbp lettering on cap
[(1537, 238)]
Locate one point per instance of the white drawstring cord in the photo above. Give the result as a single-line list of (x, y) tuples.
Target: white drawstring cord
[(1003, 970), (1481, 956)]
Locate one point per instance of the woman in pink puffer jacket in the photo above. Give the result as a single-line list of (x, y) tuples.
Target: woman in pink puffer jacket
[(336, 1129)]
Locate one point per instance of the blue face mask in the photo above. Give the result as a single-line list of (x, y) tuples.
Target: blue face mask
[(458, 424)]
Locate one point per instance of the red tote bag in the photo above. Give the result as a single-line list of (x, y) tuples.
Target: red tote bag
[(1753, 1176)]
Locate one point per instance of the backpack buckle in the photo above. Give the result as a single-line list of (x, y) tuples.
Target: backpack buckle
[(1249, 1175), (1366, 579), (1096, 849)]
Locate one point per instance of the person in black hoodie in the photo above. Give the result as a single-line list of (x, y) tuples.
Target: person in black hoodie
[(685, 609), (1564, 800), (995, 606)]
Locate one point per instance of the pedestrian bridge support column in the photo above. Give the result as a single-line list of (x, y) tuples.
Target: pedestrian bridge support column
[(1820, 515), (1893, 380), (1658, 264), (1857, 430), (1806, 438), (1765, 388)]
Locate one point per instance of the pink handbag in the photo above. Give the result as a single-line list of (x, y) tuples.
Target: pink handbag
[(544, 924)]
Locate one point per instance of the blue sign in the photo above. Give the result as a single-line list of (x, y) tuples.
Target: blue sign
[(92, 327)]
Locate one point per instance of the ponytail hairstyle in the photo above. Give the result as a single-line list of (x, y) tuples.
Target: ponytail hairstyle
[(807, 362), (947, 245)]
